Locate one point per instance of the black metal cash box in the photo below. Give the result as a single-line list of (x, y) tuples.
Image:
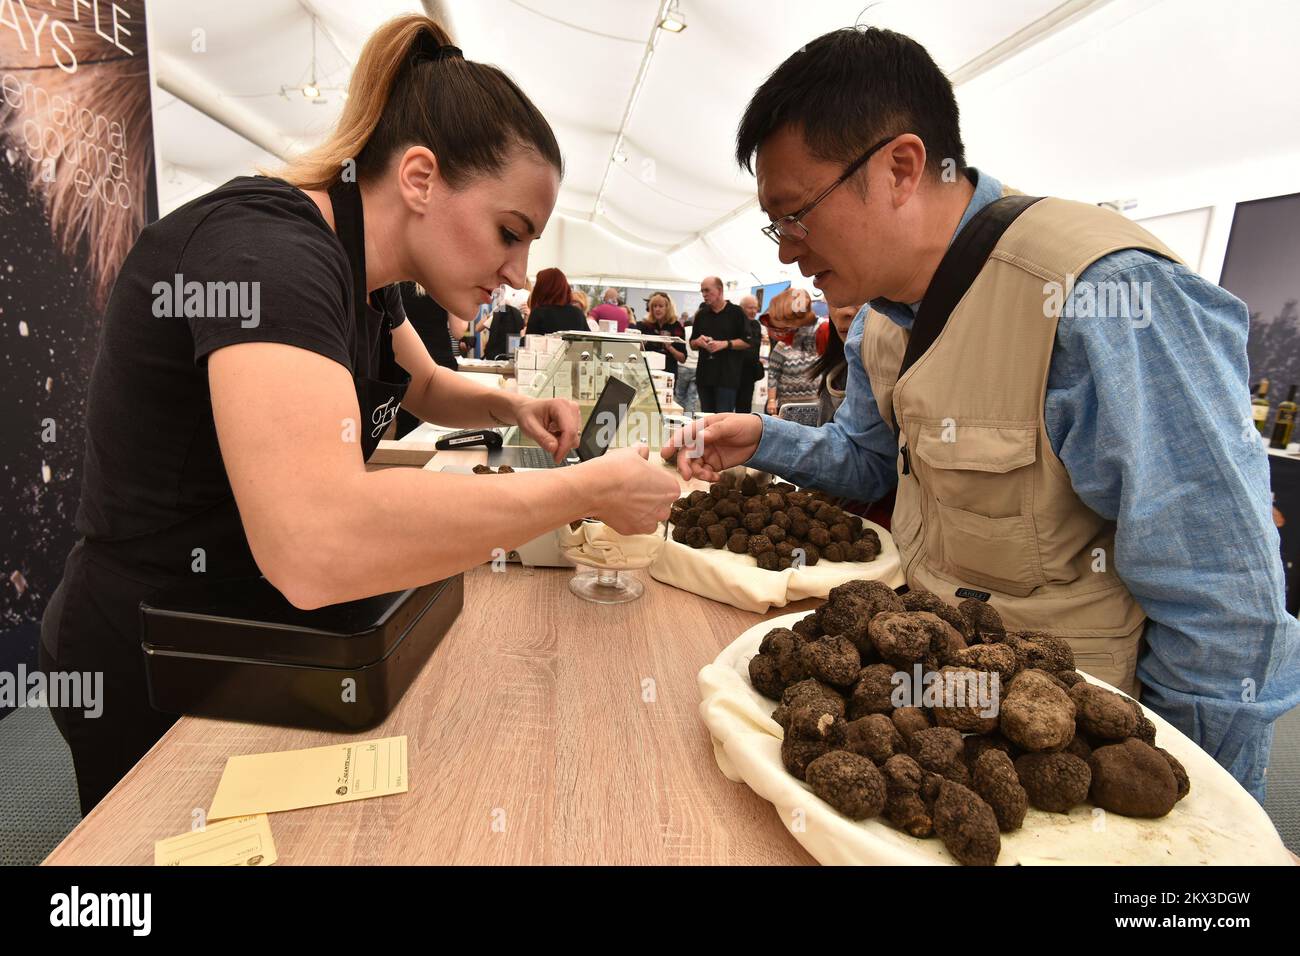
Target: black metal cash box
[(237, 650)]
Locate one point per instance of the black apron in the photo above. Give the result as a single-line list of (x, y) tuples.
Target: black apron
[(378, 398), (92, 622)]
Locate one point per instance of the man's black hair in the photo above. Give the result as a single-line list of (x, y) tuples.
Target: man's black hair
[(851, 88)]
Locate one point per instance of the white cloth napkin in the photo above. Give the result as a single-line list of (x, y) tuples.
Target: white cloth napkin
[(599, 546), (736, 579)]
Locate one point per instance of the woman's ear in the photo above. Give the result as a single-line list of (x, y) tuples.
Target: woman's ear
[(418, 178)]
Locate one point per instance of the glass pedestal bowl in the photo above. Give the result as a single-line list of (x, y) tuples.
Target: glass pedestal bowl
[(603, 557)]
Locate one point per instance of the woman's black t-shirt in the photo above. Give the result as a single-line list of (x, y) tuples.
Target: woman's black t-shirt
[(544, 319), (252, 261), (505, 323)]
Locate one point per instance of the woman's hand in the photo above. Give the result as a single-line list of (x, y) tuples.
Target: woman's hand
[(706, 448), (632, 493), (552, 423)]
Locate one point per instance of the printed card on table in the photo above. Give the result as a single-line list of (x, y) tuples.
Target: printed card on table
[(292, 779), (240, 841)]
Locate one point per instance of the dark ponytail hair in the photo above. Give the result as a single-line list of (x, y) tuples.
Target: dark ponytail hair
[(409, 90), (830, 360)]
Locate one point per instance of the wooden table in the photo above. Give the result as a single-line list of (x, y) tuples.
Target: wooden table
[(544, 729)]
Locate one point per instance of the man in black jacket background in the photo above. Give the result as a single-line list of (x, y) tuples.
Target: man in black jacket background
[(719, 332)]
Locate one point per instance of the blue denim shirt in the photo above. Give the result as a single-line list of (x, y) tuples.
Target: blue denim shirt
[(1151, 417)]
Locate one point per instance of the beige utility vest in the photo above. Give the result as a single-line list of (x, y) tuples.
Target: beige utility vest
[(986, 504)]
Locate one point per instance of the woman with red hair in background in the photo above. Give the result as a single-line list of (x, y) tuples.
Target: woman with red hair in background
[(550, 306)]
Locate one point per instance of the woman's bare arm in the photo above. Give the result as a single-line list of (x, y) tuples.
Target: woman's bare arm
[(324, 530)]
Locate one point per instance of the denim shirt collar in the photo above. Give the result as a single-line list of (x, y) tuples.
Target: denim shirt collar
[(987, 189)]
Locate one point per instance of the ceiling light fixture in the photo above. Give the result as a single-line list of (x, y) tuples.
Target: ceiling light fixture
[(312, 90), (668, 14), (674, 21)]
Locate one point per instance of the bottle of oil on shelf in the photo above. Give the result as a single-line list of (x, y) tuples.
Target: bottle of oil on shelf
[(1259, 407), (1285, 423)]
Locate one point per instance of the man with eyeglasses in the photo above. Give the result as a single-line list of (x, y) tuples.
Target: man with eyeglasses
[(721, 343), (1088, 470)]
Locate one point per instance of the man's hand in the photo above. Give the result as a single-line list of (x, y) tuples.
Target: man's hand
[(552, 423), (706, 448), (715, 345)]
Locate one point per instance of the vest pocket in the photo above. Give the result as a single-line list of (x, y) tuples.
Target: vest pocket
[(977, 469), (980, 486), (997, 553)]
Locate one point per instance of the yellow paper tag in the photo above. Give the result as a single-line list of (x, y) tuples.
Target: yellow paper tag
[(291, 779), (241, 841)]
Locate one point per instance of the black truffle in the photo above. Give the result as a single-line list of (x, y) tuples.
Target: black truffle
[(849, 783), (1055, 782), (993, 777), (1133, 779), (1180, 774), (717, 535), (904, 638), (904, 806), (967, 826), (908, 720), (873, 692), (1102, 713), (1036, 714), (874, 737), (937, 748), (765, 677), (985, 622), (832, 659), (968, 700)]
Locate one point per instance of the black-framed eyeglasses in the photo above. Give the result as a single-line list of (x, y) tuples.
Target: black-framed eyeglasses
[(790, 227)]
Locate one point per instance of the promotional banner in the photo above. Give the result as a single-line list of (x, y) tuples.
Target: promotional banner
[(77, 184)]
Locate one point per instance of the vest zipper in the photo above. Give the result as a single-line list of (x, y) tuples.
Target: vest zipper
[(906, 452)]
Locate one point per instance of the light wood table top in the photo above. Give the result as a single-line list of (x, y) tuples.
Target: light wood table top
[(530, 716)]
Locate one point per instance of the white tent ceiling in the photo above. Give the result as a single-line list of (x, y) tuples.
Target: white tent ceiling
[(1093, 99)]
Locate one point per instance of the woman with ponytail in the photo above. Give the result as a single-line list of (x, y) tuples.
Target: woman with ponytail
[(255, 350)]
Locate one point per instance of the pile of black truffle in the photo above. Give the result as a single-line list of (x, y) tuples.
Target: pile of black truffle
[(951, 770), (773, 522)]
